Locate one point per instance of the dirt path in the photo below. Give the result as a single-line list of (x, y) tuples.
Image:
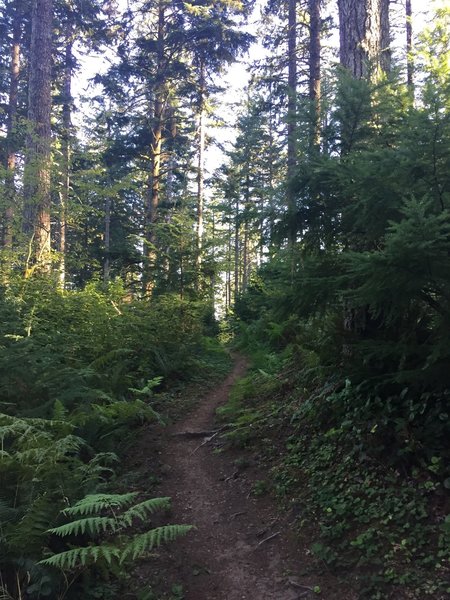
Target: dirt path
[(231, 554)]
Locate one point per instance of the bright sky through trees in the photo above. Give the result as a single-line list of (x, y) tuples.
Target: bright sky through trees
[(234, 80)]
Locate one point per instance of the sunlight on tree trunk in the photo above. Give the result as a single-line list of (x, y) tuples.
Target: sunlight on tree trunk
[(409, 49), (11, 130), (37, 190), (66, 156), (364, 36)]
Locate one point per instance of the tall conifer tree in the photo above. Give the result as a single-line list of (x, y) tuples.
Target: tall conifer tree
[(364, 36), (37, 190), (314, 70), (12, 124)]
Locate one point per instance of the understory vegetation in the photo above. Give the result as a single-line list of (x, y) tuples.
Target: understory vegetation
[(348, 399), (79, 371), (349, 332), (353, 469)]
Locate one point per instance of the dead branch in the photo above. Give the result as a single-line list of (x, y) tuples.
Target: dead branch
[(197, 434), (194, 434), (300, 585), (238, 514), (207, 440), (270, 537), (232, 476)]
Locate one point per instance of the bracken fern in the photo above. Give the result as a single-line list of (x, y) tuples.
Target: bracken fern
[(143, 543), (118, 546), (94, 503)]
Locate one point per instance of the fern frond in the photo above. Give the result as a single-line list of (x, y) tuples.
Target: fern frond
[(30, 532), (109, 357), (20, 425), (122, 411), (104, 458), (7, 512), (91, 525), (69, 443), (143, 509), (93, 472), (59, 411), (46, 450), (147, 390), (4, 594), (95, 503), (80, 557), (96, 525), (143, 543)]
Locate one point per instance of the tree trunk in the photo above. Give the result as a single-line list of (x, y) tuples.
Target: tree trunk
[(172, 134), (292, 128), (107, 242), (246, 241), (364, 36), (181, 269), (201, 167), (152, 201), (228, 274), (292, 111), (66, 156), (37, 196), (271, 171), (409, 58), (314, 72), (213, 260), (11, 124), (245, 256), (364, 50), (386, 53), (236, 251)]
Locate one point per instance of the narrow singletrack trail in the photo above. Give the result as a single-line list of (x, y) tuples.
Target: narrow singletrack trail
[(230, 555)]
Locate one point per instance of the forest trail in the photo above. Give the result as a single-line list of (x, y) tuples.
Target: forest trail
[(230, 555)]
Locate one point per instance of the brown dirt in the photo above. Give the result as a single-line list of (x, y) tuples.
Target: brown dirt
[(228, 556)]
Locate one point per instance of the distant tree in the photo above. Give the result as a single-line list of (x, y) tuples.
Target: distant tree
[(12, 122), (409, 47), (315, 26), (84, 23), (292, 107), (214, 40)]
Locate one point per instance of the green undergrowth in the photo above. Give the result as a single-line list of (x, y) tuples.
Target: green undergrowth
[(80, 373), (369, 485)]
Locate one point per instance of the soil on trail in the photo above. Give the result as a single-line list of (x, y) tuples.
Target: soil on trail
[(240, 547)]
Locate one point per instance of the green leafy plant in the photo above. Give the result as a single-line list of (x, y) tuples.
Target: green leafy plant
[(107, 523)]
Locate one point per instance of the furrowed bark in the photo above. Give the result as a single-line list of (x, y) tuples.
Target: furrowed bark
[(37, 192)]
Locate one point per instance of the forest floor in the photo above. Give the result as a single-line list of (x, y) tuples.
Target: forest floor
[(242, 547)]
